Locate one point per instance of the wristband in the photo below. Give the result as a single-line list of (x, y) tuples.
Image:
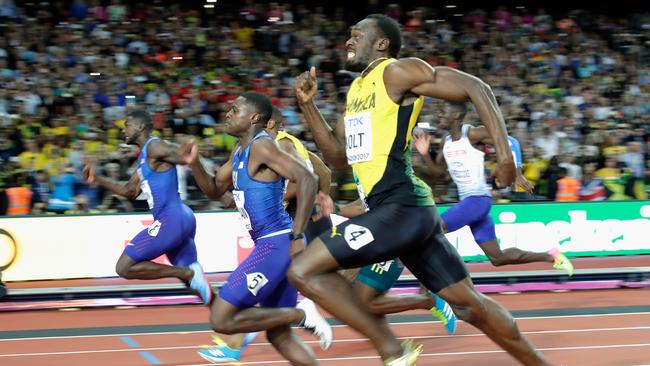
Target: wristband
[(293, 236), (337, 209)]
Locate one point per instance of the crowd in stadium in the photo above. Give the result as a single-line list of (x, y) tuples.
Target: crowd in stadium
[(573, 88)]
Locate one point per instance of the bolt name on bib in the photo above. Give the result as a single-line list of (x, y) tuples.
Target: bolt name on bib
[(358, 138)]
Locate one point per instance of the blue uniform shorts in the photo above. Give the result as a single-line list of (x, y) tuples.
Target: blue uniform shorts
[(472, 211), (172, 234), (262, 277)]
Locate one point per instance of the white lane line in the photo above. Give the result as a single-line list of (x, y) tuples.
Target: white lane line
[(335, 341)]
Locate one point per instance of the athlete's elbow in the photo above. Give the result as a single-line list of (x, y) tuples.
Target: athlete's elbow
[(309, 182), (336, 158), (130, 194), (483, 89), (338, 162), (214, 195)]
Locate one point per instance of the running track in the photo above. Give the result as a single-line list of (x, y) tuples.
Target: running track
[(601, 327)]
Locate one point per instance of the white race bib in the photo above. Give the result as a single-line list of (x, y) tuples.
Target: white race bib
[(146, 189), (239, 201), (358, 138)]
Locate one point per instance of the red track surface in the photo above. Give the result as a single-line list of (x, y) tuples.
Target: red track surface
[(609, 339), (475, 267)]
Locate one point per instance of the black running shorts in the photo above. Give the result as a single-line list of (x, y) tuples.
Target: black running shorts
[(411, 233)]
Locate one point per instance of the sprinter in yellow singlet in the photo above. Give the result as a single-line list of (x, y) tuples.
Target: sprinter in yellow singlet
[(383, 104)]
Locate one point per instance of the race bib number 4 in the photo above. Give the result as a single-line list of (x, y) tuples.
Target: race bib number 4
[(358, 138)]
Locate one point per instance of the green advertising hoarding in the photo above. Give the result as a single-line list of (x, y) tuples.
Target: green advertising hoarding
[(578, 229)]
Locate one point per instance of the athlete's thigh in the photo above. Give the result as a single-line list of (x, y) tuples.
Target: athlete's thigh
[(483, 230), (159, 238), (184, 254), (381, 276), (379, 235), (465, 212), (435, 263), (283, 296), (259, 274)]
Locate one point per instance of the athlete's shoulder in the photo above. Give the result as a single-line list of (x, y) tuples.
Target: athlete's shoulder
[(157, 148), (263, 143), (406, 64)]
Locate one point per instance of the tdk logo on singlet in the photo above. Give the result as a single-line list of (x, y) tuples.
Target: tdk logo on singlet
[(361, 104)]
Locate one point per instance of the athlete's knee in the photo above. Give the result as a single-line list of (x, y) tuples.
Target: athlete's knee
[(311, 262), (220, 325), (123, 269), (471, 313), (467, 303), (278, 336), (498, 260), (298, 275), (495, 255)]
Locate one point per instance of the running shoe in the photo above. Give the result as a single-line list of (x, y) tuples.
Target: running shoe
[(315, 323), (409, 355), (200, 283), (561, 261), (247, 340), (220, 354), (443, 312)]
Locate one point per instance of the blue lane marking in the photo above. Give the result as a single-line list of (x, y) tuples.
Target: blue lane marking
[(146, 355), (150, 358), (130, 342)]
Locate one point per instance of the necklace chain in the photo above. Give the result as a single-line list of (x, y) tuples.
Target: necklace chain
[(363, 73)]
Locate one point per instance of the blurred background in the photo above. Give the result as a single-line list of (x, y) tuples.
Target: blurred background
[(572, 81)]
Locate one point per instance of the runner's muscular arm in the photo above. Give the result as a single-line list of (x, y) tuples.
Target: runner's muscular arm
[(353, 209), (214, 186), (323, 173), (267, 152), (481, 135), (330, 143), (412, 76), (287, 146), (437, 168), (130, 189), (165, 151)]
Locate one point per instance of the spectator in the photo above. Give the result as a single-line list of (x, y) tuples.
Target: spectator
[(63, 181), (568, 188), (573, 86), (592, 188)]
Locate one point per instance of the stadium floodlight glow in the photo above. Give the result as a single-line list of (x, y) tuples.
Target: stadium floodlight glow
[(208, 6), (95, 73), (210, 1), (450, 6), (177, 58)]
